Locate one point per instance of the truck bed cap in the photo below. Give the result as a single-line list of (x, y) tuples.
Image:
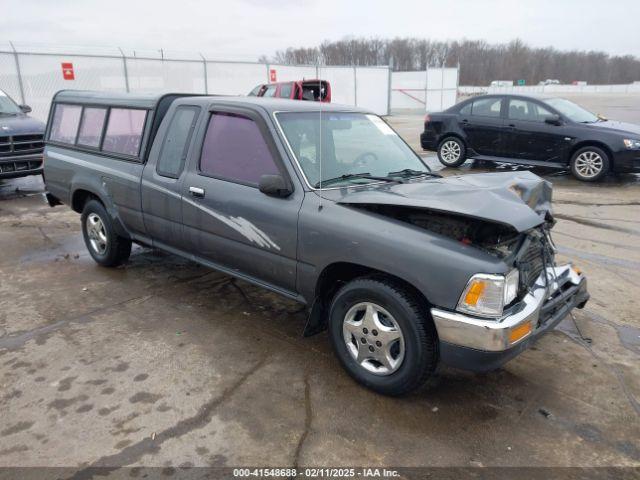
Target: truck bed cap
[(140, 100), (152, 100)]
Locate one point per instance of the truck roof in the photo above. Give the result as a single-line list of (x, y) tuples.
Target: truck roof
[(279, 104), (152, 100)]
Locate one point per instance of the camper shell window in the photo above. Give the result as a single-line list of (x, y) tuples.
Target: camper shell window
[(115, 125)]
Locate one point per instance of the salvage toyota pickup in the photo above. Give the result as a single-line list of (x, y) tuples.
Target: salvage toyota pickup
[(328, 206)]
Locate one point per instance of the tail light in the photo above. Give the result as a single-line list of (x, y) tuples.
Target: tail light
[(427, 118)]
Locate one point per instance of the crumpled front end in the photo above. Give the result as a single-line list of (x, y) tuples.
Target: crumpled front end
[(482, 344), (519, 200)]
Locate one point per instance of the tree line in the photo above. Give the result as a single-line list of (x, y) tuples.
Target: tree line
[(480, 62)]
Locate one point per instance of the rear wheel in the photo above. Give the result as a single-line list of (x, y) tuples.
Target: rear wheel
[(452, 152), (383, 335), (105, 246), (589, 164)]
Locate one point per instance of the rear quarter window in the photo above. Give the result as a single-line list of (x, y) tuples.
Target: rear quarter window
[(176, 142), (466, 110), (486, 107)]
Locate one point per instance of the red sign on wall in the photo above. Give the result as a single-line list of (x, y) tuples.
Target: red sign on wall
[(272, 75), (67, 71)]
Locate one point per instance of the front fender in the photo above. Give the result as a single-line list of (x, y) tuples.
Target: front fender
[(437, 266)]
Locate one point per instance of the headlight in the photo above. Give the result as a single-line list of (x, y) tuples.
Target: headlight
[(631, 143), (486, 295)]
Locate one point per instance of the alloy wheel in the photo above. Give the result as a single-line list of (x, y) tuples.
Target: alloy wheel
[(589, 164), (97, 234), (450, 151), (373, 338)]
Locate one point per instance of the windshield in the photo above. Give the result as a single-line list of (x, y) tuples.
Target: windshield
[(7, 105), (351, 144), (572, 111)]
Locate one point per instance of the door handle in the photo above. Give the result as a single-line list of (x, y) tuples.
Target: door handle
[(464, 120), (197, 192), (511, 125)]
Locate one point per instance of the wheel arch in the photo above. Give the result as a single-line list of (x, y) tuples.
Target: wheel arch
[(80, 197), (336, 274), (82, 194), (448, 135), (592, 143)]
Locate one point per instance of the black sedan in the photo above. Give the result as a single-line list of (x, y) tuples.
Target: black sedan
[(548, 132)]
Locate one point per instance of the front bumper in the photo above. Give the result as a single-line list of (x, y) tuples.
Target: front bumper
[(626, 161), (20, 165), (479, 344)]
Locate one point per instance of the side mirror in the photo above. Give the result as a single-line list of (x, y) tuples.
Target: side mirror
[(25, 108), (553, 119), (274, 185)]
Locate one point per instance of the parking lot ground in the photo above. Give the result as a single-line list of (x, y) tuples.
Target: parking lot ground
[(165, 363)]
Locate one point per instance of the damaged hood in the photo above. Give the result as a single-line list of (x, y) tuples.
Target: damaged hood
[(518, 199)]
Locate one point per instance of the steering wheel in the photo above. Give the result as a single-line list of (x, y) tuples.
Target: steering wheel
[(365, 159)]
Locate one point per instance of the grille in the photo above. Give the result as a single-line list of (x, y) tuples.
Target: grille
[(21, 145), (531, 263), (21, 166)]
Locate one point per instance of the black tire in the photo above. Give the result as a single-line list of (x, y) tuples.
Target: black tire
[(117, 249), (410, 314), (586, 172), (443, 152)]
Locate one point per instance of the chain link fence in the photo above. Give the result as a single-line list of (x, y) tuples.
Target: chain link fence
[(32, 75), (428, 90)]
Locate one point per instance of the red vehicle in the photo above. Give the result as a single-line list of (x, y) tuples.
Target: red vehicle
[(311, 90)]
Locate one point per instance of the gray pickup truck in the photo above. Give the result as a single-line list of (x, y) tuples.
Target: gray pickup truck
[(326, 205)]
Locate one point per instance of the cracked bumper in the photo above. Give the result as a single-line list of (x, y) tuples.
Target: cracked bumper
[(480, 345)]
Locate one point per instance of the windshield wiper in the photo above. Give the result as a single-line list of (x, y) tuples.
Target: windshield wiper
[(348, 176), (409, 172)]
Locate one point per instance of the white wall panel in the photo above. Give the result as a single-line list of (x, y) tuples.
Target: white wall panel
[(372, 86), (235, 78), (343, 82), (289, 73), (434, 89)]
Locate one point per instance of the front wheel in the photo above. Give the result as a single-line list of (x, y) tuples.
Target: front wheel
[(589, 164), (452, 152), (383, 335), (106, 247)]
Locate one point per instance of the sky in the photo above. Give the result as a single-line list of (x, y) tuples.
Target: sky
[(246, 29)]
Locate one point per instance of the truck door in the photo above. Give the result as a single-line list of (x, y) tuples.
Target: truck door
[(227, 220), (163, 176)]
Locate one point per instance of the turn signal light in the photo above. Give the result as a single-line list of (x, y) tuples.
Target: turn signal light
[(519, 332), (474, 292)]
